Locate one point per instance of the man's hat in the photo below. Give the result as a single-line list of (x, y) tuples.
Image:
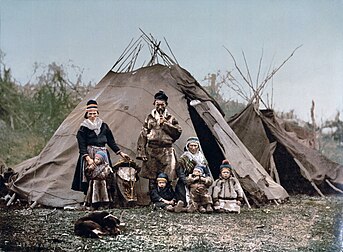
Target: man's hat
[(160, 95)]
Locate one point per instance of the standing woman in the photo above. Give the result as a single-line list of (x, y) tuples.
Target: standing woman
[(92, 136)]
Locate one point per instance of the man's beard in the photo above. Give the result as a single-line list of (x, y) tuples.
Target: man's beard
[(160, 110)]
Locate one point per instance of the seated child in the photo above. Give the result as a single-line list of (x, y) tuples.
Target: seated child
[(163, 196), (198, 184), (98, 194), (227, 191)]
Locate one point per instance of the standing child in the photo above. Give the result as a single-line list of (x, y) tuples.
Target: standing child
[(227, 191), (163, 196), (198, 183), (98, 194)]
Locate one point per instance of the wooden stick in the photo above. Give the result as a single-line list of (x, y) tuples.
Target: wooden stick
[(308, 176), (314, 125), (332, 186), (271, 173), (246, 199), (11, 200), (33, 205), (244, 196), (273, 167)]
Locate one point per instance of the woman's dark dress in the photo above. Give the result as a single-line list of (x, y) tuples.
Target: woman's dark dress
[(86, 137)]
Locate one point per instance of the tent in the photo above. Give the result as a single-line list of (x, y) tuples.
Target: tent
[(297, 166), (125, 98)]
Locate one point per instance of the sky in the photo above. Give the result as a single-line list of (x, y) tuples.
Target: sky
[(93, 34)]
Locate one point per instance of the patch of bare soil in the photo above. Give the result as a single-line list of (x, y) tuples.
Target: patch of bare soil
[(303, 224)]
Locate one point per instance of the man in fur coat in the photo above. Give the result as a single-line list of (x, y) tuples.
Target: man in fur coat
[(154, 147)]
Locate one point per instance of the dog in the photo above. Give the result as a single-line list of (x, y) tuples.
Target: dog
[(97, 224)]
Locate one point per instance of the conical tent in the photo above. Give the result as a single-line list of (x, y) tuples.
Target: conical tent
[(125, 98), (299, 168)]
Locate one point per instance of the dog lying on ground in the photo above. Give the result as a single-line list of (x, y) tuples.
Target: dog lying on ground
[(97, 224)]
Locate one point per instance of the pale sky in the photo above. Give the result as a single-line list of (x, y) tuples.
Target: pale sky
[(93, 34)]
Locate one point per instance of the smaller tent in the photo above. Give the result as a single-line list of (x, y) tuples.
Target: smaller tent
[(295, 165)]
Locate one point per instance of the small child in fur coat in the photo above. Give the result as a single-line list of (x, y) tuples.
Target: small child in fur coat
[(227, 191), (98, 194), (198, 183)]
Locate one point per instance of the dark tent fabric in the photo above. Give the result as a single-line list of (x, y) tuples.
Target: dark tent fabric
[(124, 101), (297, 164), (253, 177)]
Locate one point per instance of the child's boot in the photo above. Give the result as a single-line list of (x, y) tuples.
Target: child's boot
[(202, 209), (170, 208), (180, 207), (192, 207), (209, 208)]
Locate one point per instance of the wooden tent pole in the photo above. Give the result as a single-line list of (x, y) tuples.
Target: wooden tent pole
[(244, 196), (273, 168), (11, 200), (246, 199), (332, 186), (308, 176), (33, 205)]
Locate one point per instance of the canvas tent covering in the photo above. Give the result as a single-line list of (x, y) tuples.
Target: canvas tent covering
[(125, 99), (275, 146)]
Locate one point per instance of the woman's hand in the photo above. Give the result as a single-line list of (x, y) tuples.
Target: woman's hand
[(124, 155), (89, 160)]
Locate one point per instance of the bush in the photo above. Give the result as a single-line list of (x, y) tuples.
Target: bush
[(31, 114)]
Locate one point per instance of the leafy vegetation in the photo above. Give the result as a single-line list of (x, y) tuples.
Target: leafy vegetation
[(331, 139), (30, 114), (216, 87)]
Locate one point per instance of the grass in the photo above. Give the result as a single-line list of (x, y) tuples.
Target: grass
[(303, 224)]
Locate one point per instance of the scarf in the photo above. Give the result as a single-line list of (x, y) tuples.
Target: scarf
[(96, 125), (198, 157)]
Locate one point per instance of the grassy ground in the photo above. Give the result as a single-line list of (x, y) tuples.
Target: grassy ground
[(303, 224)]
